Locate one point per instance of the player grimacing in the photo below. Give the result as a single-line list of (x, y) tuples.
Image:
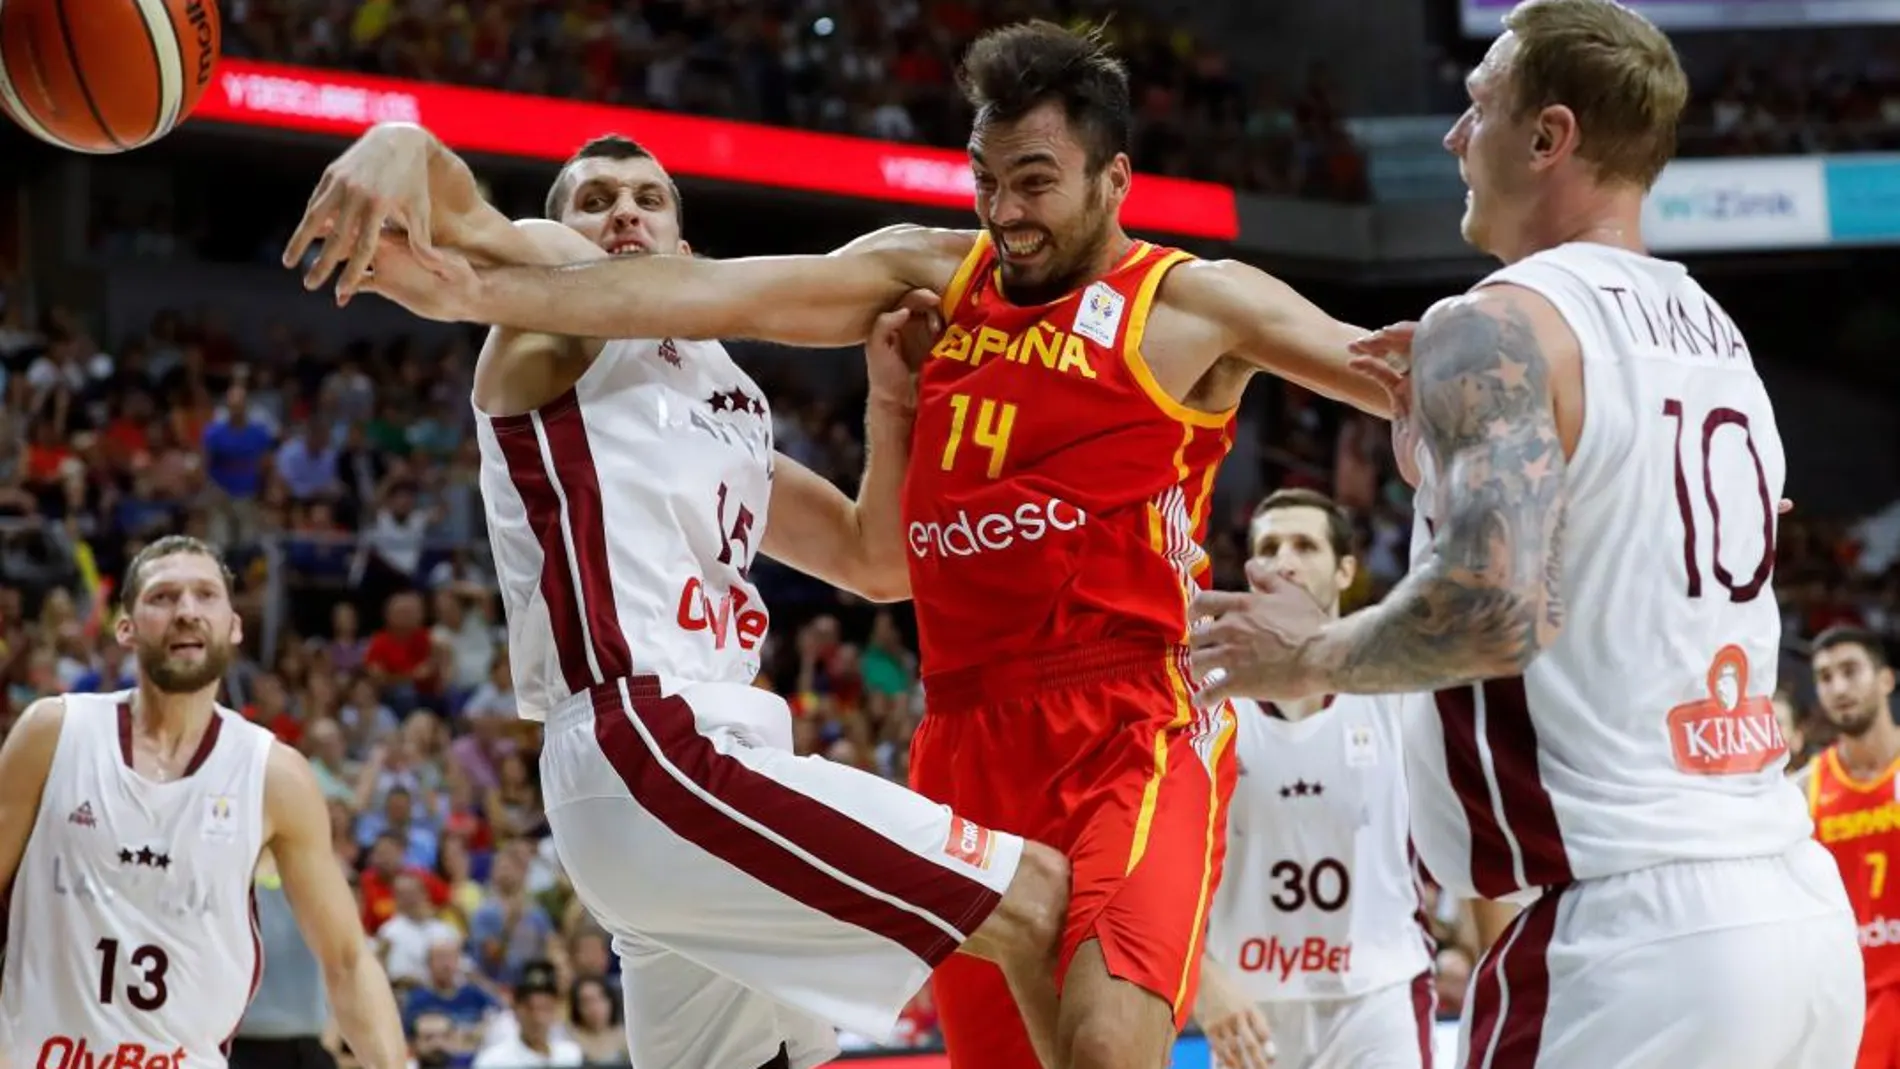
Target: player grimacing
[(1070, 420), (130, 826), (1588, 636)]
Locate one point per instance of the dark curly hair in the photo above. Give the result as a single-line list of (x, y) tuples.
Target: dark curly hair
[(1011, 71)]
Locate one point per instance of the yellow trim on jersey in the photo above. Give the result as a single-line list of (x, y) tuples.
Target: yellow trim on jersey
[(1151, 794), (959, 286), (1198, 938), (1848, 782), (1814, 785), (1138, 365)]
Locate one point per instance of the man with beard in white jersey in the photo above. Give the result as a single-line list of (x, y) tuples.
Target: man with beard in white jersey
[(130, 826), (1317, 935), (757, 900), (1589, 628)]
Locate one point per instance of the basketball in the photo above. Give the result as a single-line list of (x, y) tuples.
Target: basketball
[(105, 76)]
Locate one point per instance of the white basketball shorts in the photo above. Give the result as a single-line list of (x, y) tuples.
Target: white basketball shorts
[(1744, 964), (1386, 1028), (755, 898)]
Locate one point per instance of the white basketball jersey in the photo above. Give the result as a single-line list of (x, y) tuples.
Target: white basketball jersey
[(1318, 900), (624, 517), (131, 934), (1644, 734)]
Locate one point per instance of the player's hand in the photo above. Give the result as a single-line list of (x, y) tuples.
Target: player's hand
[(1392, 341), (397, 272), (1385, 355), (1251, 645), (1235, 1028), (899, 341), (380, 183)]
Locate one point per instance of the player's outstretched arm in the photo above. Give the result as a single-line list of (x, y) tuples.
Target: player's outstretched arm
[(401, 175), (25, 760), (797, 300), (1266, 323), (299, 842), (1488, 598), (859, 545)]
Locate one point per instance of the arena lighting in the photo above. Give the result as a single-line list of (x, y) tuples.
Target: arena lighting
[(314, 101)]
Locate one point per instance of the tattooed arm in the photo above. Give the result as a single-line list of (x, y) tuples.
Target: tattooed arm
[(1486, 600)]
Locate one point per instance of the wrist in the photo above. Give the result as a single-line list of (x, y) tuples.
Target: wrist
[(890, 408)]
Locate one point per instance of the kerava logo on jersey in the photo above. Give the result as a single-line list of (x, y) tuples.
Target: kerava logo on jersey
[(1730, 732), (1030, 521), (1737, 204)]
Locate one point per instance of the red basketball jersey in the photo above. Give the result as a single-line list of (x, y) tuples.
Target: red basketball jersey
[(1056, 494), (1859, 822)]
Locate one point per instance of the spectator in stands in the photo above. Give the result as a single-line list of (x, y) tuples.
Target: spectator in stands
[(236, 450), (446, 990), (402, 658), (510, 930), (404, 941), (537, 1013), (594, 1022), (378, 882), (431, 1040)]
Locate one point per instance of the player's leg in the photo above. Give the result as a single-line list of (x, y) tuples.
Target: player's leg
[(678, 1013), (1144, 870), (820, 886), (989, 765), (1685, 964), (1389, 1028)]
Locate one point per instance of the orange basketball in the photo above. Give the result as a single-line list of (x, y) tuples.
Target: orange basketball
[(105, 75)]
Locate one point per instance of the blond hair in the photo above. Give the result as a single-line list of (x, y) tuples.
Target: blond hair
[(1613, 69)]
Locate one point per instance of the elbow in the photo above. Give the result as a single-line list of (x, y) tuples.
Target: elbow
[(340, 966), (883, 585)]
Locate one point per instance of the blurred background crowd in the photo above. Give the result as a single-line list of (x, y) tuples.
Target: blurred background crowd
[(337, 467)]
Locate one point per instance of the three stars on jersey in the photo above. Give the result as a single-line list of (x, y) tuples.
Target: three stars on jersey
[(145, 855), (1303, 789), (736, 400)]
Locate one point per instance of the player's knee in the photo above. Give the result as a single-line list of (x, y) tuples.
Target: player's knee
[(1038, 895), (1103, 1037), (1027, 923)]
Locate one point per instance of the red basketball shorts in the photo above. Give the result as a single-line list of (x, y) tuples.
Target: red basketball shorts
[(1880, 1036), (1099, 752)]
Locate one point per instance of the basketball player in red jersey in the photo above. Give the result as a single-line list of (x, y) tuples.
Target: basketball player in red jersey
[(1853, 793), (1071, 419)]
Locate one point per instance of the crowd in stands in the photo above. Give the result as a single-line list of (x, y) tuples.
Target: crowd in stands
[(1832, 92), (865, 67)]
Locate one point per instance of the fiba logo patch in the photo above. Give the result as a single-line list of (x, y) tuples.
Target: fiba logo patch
[(220, 818), (1100, 315), (969, 843)]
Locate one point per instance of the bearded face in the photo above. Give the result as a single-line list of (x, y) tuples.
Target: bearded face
[(181, 624)]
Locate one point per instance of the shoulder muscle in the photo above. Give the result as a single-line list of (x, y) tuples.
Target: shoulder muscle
[(294, 808), (27, 755)]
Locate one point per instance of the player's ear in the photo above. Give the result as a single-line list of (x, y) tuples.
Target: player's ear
[(685, 249), (122, 630), (237, 629), (1883, 681), (1121, 175), (1348, 571)]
